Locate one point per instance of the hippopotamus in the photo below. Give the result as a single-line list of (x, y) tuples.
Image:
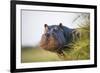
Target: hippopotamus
[(55, 37)]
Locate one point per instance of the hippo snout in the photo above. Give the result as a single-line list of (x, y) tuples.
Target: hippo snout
[(47, 34)]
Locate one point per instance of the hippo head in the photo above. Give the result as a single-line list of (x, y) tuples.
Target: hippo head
[(53, 37)]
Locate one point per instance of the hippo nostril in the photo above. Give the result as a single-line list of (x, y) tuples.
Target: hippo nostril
[(47, 35)]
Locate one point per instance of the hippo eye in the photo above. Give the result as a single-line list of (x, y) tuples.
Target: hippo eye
[(55, 29)]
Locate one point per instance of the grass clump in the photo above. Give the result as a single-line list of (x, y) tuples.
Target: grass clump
[(80, 48)]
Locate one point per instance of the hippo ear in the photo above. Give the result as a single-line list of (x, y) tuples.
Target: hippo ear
[(45, 25), (60, 25)]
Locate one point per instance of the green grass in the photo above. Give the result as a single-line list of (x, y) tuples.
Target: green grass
[(37, 55), (79, 51)]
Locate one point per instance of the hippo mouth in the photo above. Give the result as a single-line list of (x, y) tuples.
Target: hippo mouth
[(49, 43)]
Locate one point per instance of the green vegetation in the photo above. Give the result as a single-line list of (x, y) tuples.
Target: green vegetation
[(37, 55)]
